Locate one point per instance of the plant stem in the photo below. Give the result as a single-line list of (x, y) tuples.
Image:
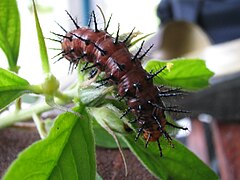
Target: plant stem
[(26, 114), (23, 115), (63, 97), (40, 127)]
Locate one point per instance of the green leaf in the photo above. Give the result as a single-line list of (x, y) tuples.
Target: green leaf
[(176, 163), (104, 116), (189, 74), (109, 116), (10, 32), (41, 42), (11, 87), (104, 139), (67, 153), (92, 96)]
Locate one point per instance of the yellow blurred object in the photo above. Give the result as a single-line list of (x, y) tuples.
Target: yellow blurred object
[(169, 66)]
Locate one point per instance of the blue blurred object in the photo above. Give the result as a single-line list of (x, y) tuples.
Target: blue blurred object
[(220, 19), (86, 9)]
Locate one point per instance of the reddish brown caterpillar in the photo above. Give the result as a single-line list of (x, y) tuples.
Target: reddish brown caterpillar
[(124, 69)]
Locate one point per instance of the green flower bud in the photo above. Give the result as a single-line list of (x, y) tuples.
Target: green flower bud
[(50, 85)]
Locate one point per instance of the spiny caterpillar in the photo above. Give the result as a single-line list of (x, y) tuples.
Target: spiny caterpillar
[(122, 68)]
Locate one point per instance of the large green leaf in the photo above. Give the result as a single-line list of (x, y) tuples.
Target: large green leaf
[(67, 153), (176, 163), (189, 74), (11, 87), (10, 31)]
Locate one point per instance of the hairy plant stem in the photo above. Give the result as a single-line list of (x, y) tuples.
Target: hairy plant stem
[(23, 115), (26, 114), (39, 125)]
